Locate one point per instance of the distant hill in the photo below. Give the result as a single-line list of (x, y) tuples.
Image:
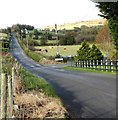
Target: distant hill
[(70, 26)]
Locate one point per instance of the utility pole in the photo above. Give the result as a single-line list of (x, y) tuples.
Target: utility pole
[(27, 44), (27, 33), (1, 56), (57, 53)]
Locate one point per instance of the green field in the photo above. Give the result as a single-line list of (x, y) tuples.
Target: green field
[(63, 50), (3, 34)]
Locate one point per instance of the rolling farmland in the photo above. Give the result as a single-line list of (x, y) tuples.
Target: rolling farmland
[(63, 50)]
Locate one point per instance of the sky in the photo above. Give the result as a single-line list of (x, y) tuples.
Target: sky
[(40, 13)]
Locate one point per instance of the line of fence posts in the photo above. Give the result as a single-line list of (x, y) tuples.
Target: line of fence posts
[(7, 92), (102, 65)]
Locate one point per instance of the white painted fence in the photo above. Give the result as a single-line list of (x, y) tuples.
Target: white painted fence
[(102, 65)]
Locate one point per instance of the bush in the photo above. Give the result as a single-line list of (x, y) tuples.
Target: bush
[(114, 55), (31, 42), (65, 60), (57, 56), (36, 43), (67, 40), (31, 48)]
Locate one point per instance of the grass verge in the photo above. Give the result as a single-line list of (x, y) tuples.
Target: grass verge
[(87, 70), (31, 82), (36, 57)]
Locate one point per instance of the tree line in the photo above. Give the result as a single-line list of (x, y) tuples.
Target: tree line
[(65, 37)]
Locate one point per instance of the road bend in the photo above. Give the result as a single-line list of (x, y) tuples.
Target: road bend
[(84, 94)]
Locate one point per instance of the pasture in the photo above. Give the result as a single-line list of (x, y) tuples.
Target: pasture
[(65, 50), (3, 36)]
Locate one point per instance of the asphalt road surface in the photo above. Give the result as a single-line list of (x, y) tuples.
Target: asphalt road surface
[(85, 95)]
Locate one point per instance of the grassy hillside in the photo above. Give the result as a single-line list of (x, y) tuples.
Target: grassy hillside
[(69, 26)]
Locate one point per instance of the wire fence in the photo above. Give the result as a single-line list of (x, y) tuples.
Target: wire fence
[(7, 88), (101, 65)]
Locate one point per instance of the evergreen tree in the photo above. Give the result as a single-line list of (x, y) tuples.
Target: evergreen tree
[(109, 11), (113, 25), (83, 52), (95, 53)]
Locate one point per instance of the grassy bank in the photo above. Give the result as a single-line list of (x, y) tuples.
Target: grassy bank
[(36, 57), (31, 82), (87, 70)]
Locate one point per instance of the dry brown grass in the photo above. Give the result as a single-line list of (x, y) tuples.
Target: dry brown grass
[(33, 104), (78, 24)]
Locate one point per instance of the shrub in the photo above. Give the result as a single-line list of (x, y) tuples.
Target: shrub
[(65, 60), (114, 55), (57, 56), (31, 48)]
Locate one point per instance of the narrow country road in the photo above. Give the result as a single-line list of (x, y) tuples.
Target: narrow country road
[(86, 95)]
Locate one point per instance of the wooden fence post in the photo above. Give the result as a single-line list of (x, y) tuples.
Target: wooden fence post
[(10, 97), (13, 79), (93, 64), (111, 65), (82, 63), (116, 66), (78, 63), (101, 66), (96, 64), (3, 96), (87, 64)]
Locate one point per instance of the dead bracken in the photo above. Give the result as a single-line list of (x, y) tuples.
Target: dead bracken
[(33, 104)]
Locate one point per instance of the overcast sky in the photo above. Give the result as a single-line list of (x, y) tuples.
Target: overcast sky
[(41, 13)]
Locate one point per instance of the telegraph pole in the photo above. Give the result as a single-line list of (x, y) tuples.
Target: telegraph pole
[(27, 33), (1, 56), (57, 52)]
